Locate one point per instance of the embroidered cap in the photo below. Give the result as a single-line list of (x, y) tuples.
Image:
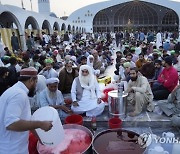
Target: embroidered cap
[(29, 72)]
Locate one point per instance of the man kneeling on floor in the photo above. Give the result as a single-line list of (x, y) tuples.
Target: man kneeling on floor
[(86, 94), (51, 96), (140, 93)]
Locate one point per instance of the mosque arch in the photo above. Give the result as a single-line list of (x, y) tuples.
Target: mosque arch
[(31, 21), (73, 28), (63, 27), (69, 28), (56, 26), (10, 23), (135, 15), (9, 20), (46, 27), (77, 29)]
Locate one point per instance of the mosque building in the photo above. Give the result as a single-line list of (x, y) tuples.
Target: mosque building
[(111, 15), (115, 15), (23, 22)]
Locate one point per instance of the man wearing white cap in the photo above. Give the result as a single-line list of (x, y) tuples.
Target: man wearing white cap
[(15, 117), (51, 96), (85, 93)]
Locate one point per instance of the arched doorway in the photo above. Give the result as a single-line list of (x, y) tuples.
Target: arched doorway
[(77, 29), (8, 24), (69, 28), (56, 27), (31, 25), (73, 29), (63, 27), (46, 27)]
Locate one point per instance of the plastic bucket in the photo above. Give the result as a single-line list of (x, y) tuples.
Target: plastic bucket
[(54, 136), (115, 123), (74, 119)]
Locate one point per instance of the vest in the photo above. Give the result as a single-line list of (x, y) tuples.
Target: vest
[(79, 89)]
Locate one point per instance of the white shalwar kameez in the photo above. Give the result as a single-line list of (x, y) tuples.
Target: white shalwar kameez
[(87, 104), (15, 106), (49, 73), (158, 40)]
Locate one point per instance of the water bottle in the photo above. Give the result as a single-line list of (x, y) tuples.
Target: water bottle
[(120, 89), (93, 124)]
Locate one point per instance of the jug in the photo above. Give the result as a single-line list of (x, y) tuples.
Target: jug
[(168, 145), (54, 136), (157, 150)]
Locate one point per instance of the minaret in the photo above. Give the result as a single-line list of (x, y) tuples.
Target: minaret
[(44, 7)]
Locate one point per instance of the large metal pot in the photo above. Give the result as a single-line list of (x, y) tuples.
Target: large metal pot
[(79, 127), (74, 126), (117, 104), (117, 141)]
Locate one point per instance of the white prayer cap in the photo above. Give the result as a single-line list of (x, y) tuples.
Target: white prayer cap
[(123, 58), (73, 58), (52, 80), (168, 41)]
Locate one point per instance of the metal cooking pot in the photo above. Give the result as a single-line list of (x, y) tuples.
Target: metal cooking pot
[(75, 126), (117, 104), (117, 141)]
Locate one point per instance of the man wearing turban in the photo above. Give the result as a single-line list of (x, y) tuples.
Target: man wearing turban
[(51, 96), (85, 93)]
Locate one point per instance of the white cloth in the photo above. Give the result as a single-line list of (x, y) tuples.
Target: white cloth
[(96, 72), (87, 104), (46, 38), (1, 63), (2, 52), (14, 107), (158, 40), (49, 73), (91, 84)]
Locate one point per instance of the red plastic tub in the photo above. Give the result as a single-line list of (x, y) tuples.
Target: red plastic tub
[(74, 119), (115, 123)]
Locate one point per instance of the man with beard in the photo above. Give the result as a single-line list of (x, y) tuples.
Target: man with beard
[(15, 117), (140, 93), (148, 69), (51, 96), (167, 80), (85, 93), (66, 76)]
